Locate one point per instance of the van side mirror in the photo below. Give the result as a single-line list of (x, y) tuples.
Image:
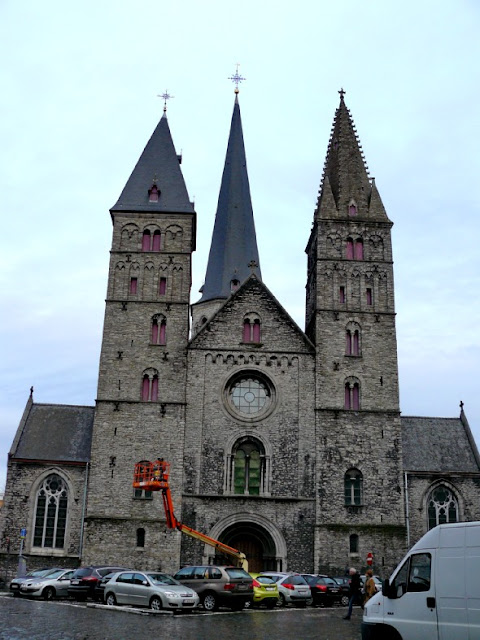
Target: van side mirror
[(389, 590)]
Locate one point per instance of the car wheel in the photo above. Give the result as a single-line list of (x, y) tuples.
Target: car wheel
[(48, 593), (156, 603), (248, 604), (281, 602), (111, 600), (344, 601), (210, 602)]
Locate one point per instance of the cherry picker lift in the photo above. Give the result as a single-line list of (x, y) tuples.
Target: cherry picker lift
[(153, 476)]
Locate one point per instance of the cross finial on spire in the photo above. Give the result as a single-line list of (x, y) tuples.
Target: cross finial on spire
[(342, 93), (253, 265), (461, 405), (236, 78), (166, 96)]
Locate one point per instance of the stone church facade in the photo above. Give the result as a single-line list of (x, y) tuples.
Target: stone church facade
[(285, 443)]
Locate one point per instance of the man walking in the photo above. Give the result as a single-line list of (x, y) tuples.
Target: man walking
[(355, 592)]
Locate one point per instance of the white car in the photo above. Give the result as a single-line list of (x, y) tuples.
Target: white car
[(53, 585), (292, 588), (149, 589)]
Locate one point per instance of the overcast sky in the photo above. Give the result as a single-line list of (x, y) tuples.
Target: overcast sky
[(78, 102)]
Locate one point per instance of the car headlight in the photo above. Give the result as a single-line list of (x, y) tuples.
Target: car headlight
[(39, 585), (172, 594)]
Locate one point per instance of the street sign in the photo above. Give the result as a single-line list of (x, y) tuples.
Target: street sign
[(369, 559), (23, 533)]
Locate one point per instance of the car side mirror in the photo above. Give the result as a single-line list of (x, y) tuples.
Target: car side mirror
[(145, 583), (389, 590)]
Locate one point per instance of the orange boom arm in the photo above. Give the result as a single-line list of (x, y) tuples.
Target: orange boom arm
[(153, 476)]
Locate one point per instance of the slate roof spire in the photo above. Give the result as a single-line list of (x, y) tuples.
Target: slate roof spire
[(345, 172), (234, 242), (157, 171)]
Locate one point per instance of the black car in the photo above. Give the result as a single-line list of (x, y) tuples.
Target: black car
[(325, 591), (85, 579), (344, 582)]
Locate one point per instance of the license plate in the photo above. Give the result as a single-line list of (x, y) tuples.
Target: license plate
[(270, 588), (187, 601), (302, 591), (14, 586), (333, 590), (242, 586), (74, 581)]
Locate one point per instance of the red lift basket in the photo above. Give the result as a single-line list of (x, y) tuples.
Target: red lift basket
[(151, 476)]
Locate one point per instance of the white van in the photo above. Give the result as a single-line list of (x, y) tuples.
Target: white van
[(434, 593)]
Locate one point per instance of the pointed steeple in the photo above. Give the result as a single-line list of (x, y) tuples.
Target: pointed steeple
[(233, 251), (345, 173), (156, 183)]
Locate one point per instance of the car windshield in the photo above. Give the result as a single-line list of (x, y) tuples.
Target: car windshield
[(81, 573), (265, 580), (53, 574), (162, 578), (234, 572), (295, 580)]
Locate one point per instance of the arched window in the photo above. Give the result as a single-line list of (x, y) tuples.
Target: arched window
[(140, 537), (51, 513), (159, 330), (353, 482), (251, 328), (146, 240), (248, 467), (162, 286), (354, 543), (359, 249), (352, 209), (349, 249), (352, 394), (354, 249), (156, 241), (150, 386), (442, 506), (352, 339)]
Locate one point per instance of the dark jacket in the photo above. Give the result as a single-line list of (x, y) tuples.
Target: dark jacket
[(355, 584)]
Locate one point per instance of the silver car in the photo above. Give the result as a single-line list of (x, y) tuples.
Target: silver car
[(292, 588), (36, 573), (149, 589), (53, 585)]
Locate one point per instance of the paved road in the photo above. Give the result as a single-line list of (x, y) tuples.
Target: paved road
[(22, 619)]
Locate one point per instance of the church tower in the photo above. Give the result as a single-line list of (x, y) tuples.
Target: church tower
[(350, 316), (233, 252), (140, 406)]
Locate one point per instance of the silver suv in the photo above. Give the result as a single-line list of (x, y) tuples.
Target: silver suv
[(217, 585), (292, 588)]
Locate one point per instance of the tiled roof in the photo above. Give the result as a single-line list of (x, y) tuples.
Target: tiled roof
[(56, 432), (438, 445)]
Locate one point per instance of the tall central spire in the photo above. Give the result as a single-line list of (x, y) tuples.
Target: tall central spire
[(234, 242)]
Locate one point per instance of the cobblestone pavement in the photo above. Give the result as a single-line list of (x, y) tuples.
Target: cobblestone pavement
[(22, 619)]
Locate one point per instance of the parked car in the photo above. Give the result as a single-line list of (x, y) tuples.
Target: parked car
[(36, 573), (292, 588), (325, 591), (265, 591), (84, 579), (149, 589), (344, 583), (99, 589), (53, 585), (218, 585)]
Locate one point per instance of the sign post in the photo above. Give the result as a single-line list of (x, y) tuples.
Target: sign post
[(369, 559), (22, 565)]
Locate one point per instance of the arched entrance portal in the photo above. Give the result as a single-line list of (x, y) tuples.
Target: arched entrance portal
[(255, 542)]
